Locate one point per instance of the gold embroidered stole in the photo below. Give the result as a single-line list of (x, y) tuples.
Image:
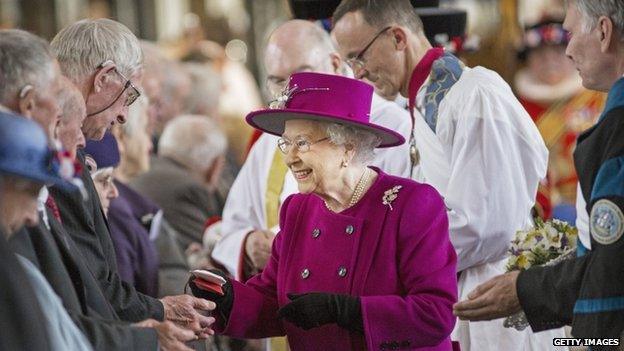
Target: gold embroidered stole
[(275, 186)]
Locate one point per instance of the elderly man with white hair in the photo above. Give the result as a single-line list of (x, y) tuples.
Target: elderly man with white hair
[(185, 174), (104, 59)]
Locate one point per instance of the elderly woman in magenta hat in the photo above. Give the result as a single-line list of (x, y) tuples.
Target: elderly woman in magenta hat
[(363, 259)]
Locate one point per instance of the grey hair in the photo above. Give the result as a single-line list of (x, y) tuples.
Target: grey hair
[(137, 117), (205, 88), (363, 141), (192, 140), (594, 9), (81, 47), (25, 59)]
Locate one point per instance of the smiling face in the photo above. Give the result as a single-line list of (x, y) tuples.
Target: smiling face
[(319, 167), (383, 62)]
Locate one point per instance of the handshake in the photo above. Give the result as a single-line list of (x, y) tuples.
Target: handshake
[(185, 320), (305, 311)]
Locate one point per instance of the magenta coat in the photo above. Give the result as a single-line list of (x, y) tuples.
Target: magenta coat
[(400, 262)]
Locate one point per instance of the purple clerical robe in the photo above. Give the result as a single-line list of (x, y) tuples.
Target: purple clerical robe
[(396, 256)]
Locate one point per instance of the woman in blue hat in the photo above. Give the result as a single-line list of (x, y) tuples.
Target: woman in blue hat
[(26, 165)]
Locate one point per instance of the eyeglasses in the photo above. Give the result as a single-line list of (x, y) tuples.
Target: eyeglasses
[(357, 62), (302, 144), (133, 92)]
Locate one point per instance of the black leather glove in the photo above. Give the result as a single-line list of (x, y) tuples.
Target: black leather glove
[(224, 302), (313, 310)]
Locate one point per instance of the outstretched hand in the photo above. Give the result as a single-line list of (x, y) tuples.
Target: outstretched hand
[(184, 311), (493, 299)]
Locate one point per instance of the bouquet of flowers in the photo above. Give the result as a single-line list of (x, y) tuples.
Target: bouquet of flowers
[(547, 243)]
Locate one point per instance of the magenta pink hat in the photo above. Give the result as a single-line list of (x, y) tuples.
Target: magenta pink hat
[(323, 97)]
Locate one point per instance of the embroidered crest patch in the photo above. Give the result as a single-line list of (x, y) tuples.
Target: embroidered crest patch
[(606, 222)]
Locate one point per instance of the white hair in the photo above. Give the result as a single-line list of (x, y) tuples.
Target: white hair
[(592, 10), (363, 141), (25, 59), (205, 88), (192, 140), (81, 47)]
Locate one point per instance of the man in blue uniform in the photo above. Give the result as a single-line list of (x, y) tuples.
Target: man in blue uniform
[(588, 291)]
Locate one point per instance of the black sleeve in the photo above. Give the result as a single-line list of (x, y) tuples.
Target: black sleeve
[(547, 294), (599, 310), (113, 335), (85, 223)]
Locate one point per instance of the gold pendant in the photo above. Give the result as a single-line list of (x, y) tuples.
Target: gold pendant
[(414, 155)]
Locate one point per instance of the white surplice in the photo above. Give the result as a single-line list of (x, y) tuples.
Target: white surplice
[(245, 208), (486, 158)]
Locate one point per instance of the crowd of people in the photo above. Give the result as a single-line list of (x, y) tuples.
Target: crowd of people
[(374, 209)]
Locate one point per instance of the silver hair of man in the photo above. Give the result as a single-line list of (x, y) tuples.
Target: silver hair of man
[(192, 140), (25, 59), (81, 47), (592, 10), (363, 141)]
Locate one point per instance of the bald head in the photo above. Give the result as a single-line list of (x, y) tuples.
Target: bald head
[(298, 46)]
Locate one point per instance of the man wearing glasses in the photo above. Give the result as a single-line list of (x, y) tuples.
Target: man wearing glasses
[(103, 59), (104, 75), (477, 145)]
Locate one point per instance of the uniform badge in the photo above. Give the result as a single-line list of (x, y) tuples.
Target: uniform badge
[(606, 222)]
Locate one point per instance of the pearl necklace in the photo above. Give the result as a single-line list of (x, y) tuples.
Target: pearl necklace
[(359, 190)]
